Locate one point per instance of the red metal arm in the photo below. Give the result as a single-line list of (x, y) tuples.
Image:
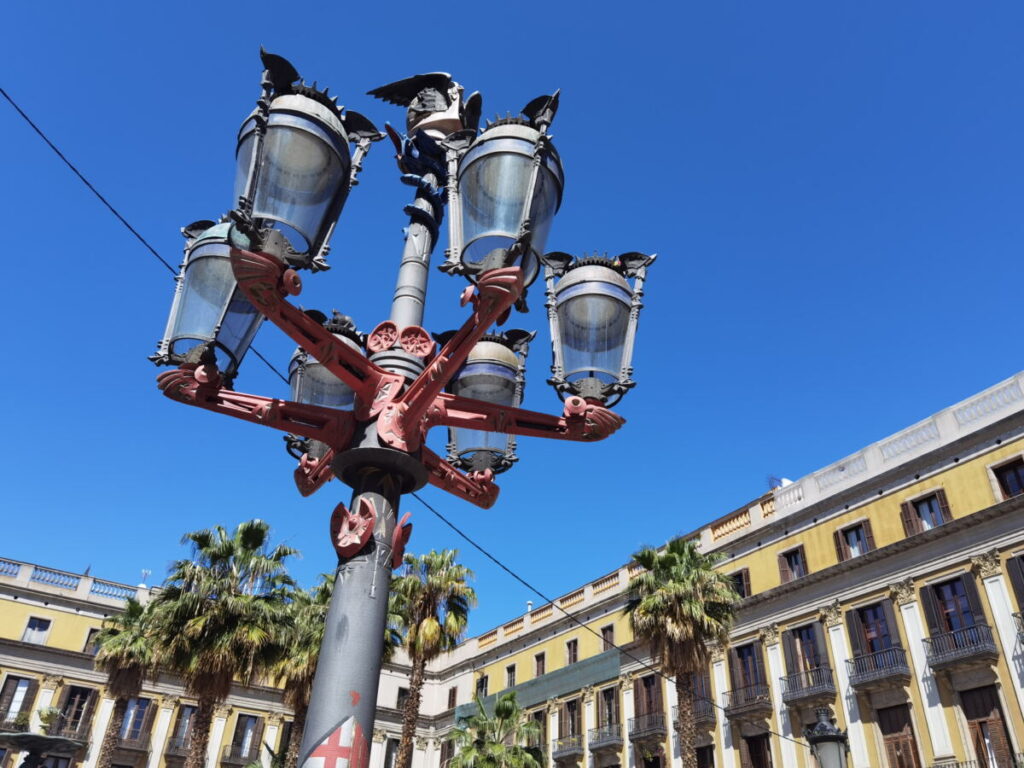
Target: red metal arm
[(400, 421), (580, 420), (265, 281), (478, 488), (327, 425)]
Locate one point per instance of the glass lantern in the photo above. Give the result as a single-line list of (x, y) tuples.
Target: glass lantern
[(829, 745), (208, 307), (509, 184), (594, 322), (293, 163), (311, 383), (494, 372)]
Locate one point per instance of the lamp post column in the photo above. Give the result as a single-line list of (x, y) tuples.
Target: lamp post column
[(344, 697), (411, 286)]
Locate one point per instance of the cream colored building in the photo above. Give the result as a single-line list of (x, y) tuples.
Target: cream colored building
[(887, 587)]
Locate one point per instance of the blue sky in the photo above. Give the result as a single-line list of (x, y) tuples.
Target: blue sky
[(834, 190)]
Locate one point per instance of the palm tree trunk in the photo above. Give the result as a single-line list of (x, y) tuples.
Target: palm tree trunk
[(199, 734), (685, 728), (110, 736), (291, 759), (411, 714)]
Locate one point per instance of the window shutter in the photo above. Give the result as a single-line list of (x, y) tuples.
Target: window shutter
[(7, 696), (931, 610), (759, 664), (868, 535), (842, 553), (90, 705), (563, 718), (784, 573), (890, 623), (62, 703), (973, 599), (734, 668), (947, 515), (658, 703), (802, 557), (745, 761), (1015, 570), (257, 738), (821, 646), (30, 697), (855, 629), (239, 737), (789, 651), (147, 721), (909, 518), (746, 583), (639, 702)]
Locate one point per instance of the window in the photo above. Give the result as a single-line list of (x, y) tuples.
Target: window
[(248, 733), (390, 753), (447, 752), (954, 608), (569, 719), (538, 664), (706, 757), (741, 582), (647, 696), (76, 713), (572, 651), (510, 675), (747, 668), (792, 565), (15, 698), (608, 637), (481, 685), (1011, 478), (401, 698), (608, 706), (925, 513), (854, 541), (541, 740), (805, 653), (91, 646), (36, 631), (875, 633), (453, 693), (134, 719), (183, 728)]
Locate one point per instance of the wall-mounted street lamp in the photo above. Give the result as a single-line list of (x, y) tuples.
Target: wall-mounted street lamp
[(829, 745), (362, 405)]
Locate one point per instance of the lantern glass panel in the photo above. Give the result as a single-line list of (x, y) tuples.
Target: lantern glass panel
[(318, 386), (301, 175), (493, 187), (239, 326), (593, 319), (208, 285), (243, 158), (493, 384)]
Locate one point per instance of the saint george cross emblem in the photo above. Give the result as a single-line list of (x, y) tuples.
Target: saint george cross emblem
[(344, 748)]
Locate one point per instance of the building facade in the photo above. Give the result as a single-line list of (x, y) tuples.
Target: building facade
[(886, 587)]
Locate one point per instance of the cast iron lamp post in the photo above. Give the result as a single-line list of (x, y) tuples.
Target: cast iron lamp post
[(829, 745), (362, 404)]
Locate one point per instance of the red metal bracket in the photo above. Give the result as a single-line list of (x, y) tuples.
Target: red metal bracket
[(312, 474), (350, 531)]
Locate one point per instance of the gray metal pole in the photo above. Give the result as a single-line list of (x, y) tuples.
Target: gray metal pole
[(411, 287), (339, 723)]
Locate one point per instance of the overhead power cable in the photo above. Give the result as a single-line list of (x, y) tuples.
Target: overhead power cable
[(111, 208), (572, 617)]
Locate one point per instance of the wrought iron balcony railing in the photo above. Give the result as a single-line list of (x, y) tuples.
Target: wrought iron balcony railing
[(177, 746), (567, 747), (138, 743), (71, 730), (1019, 619), (239, 754), (962, 646), (12, 726), (608, 736), (704, 711), (749, 699), (649, 726), (809, 685), (886, 667)]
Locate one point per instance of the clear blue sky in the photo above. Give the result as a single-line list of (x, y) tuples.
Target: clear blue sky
[(834, 189)]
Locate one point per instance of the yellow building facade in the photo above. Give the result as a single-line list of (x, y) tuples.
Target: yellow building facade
[(886, 588)]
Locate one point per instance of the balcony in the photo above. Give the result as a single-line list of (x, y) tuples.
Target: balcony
[(881, 669), (78, 731), (606, 737), (961, 648), (238, 754), (137, 743), (704, 714), (750, 701), (649, 727), (568, 748), (804, 689), (177, 747), (13, 726)]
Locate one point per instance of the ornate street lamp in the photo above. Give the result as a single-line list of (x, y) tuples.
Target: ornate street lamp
[(494, 372), (208, 313), (505, 187), (593, 312), (362, 407), (829, 745)]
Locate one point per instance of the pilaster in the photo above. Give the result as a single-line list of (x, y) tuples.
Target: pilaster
[(770, 641), (832, 618), (988, 567), (723, 730), (220, 722), (161, 730)]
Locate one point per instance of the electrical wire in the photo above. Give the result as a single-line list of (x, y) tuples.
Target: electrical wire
[(572, 617), (111, 208), (445, 520)]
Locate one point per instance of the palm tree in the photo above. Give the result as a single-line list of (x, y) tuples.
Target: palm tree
[(679, 604), (435, 602), (218, 616), (126, 654), (482, 741), (301, 639)]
